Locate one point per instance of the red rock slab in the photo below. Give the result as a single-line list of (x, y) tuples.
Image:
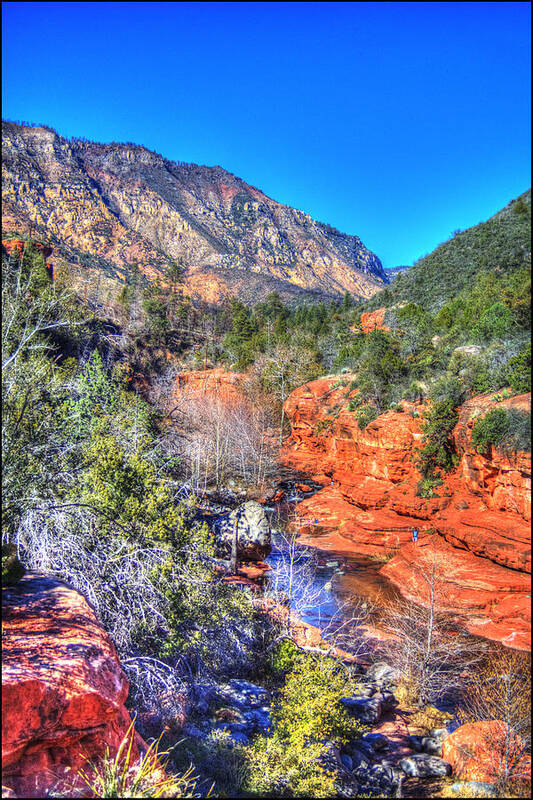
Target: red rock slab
[(63, 688), (334, 519), (476, 752), (474, 589), (502, 538), (373, 320)]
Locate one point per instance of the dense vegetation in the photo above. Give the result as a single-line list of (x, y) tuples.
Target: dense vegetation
[(93, 480)]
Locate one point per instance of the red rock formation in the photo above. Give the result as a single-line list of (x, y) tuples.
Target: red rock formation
[(476, 752), (373, 320), (17, 245), (369, 504), (214, 382), (63, 689)]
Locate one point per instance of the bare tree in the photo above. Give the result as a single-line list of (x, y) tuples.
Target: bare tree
[(501, 692), (430, 648)]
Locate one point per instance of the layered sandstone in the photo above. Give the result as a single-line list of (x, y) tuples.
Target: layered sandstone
[(107, 207), (478, 520), (486, 751), (63, 689)]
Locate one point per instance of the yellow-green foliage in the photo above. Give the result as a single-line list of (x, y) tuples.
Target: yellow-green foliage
[(306, 716)]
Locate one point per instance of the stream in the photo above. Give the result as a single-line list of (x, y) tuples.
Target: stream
[(331, 587)]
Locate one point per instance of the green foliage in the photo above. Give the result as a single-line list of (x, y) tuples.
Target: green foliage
[(437, 455), (519, 370), (365, 415), (121, 776), (12, 569), (285, 656), (307, 713), (506, 429)]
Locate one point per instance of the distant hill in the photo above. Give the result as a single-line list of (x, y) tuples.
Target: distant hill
[(107, 207), (502, 243)]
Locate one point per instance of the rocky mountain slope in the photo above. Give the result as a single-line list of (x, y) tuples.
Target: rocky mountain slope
[(106, 207), (477, 523), (499, 244)]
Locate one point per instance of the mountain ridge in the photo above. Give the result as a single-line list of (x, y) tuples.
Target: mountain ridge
[(125, 204)]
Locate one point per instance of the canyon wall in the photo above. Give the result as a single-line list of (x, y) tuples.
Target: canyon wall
[(63, 688), (476, 525)]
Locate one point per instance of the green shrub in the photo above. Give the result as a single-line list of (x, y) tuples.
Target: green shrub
[(285, 656), (365, 415), (306, 716), (519, 370), (12, 569), (505, 429)]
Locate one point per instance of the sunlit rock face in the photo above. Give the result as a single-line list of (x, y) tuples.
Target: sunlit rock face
[(478, 521), (483, 751), (107, 207), (63, 688)]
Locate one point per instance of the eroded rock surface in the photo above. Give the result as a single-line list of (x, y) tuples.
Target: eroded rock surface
[(63, 688), (478, 520)]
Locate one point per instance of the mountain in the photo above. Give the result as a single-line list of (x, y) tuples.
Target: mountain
[(107, 207), (500, 244), (393, 272)]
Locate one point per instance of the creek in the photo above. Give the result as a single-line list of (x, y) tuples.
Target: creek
[(332, 587)]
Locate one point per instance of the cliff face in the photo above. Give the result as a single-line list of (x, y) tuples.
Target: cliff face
[(63, 689), (122, 204), (477, 524)]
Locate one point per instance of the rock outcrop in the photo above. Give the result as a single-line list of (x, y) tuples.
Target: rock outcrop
[(63, 688), (485, 751), (477, 521), (107, 207), (253, 531)]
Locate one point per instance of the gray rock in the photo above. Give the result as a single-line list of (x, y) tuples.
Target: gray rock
[(439, 733), (415, 742), (388, 701), (478, 788), (377, 741), (367, 709), (363, 747), (347, 762), (431, 746), (423, 765), (243, 694), (383, 673), (253, 531), (360, 762)]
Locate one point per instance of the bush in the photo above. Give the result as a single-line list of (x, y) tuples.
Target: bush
[(519, 370), (12, 569), (438, 452), (306, 717), (506, 429), (120, 777), (365, 415)]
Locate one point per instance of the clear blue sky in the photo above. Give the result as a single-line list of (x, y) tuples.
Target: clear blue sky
[(398, 122)]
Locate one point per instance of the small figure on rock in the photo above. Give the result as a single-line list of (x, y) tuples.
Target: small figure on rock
[(415, 535)]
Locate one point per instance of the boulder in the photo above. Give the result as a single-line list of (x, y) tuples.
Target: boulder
[(253, 531), (474, 789), (431, 746), (477, 750), (63, 688), (367, 709), (422, 765), (383, 673), (378, 741), (243, 695)]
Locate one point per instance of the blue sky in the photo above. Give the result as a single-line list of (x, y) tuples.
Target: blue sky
[(398, 122)]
